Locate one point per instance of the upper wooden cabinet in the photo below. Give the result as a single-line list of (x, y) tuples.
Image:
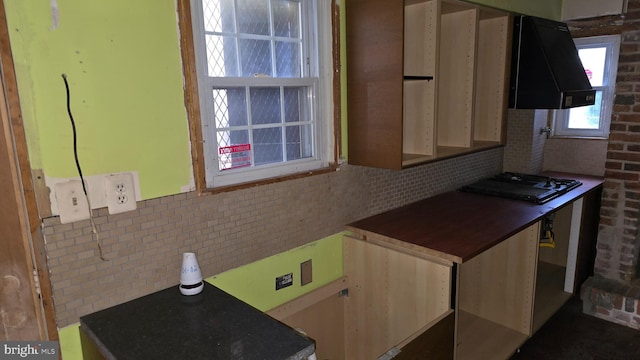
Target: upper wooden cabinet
[(425, 80)]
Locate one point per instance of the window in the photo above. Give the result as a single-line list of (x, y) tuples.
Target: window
[(599, 57), (264, 72)]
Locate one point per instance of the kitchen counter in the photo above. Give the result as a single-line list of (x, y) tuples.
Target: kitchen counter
[(169, 325), (457, 226)]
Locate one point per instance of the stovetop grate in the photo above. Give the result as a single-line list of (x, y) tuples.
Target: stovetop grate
[(532, 188)]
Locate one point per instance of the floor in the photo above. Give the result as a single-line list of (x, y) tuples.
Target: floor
[(570, 334)]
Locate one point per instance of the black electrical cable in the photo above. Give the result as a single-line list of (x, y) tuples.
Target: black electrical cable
[(75, 136), (94, 230)]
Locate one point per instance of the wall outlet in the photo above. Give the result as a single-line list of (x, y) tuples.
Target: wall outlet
[(120, 193), (72, 202)]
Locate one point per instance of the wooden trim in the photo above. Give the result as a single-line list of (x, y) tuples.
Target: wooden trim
[(304, 301), (337, 83), (404, 247), (191, 97), (192, 105), (47, 321)]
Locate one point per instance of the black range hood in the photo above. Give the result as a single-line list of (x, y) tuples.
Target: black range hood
[(546, 72)]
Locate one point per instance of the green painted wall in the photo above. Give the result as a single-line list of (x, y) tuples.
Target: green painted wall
[(122, 59), (255, 283)]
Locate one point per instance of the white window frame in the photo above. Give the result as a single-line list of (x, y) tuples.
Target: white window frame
[(319, 71), (560, 124)]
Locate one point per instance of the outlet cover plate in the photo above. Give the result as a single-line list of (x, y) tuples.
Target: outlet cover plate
[(120, 193), (72, 202)]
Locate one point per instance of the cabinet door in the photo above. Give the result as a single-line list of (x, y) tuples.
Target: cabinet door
[(374, 78), (392, 295)]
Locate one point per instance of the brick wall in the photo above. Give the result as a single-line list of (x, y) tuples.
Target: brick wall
[(230, 229), (612, 293), (618, 244)]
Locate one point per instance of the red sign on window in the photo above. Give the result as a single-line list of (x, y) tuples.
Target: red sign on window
[(234, 156)]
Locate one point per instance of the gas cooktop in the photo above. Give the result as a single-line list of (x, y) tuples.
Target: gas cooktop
[(532, 188)]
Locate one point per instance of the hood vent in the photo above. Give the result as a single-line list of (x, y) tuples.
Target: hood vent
[(546, 72)]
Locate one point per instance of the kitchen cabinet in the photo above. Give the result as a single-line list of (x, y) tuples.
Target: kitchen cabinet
[(455, 276), (426, 80), (504, 286), (388, 300)]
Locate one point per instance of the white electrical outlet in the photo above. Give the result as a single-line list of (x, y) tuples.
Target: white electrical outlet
[(72, 202), (120, 193)]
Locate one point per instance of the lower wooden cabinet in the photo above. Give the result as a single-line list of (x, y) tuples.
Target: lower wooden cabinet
[(398, 303), (388, 301)]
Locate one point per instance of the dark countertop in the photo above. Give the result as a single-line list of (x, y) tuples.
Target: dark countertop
[(457, 226), (210, 325)]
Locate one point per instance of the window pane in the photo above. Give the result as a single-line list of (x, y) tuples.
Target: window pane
[(255, 57), (288, 57), (593, 61), (295, 105), (286, 18), (299, 142), (218, 15), (253, 17), (265, 106), (229, 107), (221, 56), (586, 117), (267, 145)]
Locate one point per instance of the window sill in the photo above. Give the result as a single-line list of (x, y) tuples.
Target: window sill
[(576, 137), (245, 185)]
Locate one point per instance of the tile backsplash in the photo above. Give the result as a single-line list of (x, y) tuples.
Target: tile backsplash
[(231, 229)]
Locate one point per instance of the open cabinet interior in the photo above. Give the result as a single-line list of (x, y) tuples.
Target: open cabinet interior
[(556, 261), (495, 297), (451, 72), (388, 302)]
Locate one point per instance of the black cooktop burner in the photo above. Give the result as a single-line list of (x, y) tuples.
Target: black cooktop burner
[(533, 188)]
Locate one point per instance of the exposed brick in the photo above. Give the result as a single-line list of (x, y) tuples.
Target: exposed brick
[(616, 127), (621, 175), (621, 155), (615, 147), (624, 100), (613, 165), (631, 167), (618, 301), (602, 311)]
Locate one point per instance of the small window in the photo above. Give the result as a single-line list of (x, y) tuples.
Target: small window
[(599, 57), (265, 107)]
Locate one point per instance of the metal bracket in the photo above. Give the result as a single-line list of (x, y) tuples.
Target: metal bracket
[(545, 130)]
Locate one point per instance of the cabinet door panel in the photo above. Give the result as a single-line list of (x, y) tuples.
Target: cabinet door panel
[(392, 295)]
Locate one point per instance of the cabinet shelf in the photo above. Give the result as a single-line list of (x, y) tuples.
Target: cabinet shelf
[(471, 345), (549, 293)]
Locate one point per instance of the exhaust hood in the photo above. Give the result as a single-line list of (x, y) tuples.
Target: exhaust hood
[(546, 72)]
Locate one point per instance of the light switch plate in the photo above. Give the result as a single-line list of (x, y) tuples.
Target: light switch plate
[(72, 202), (120, 193)]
